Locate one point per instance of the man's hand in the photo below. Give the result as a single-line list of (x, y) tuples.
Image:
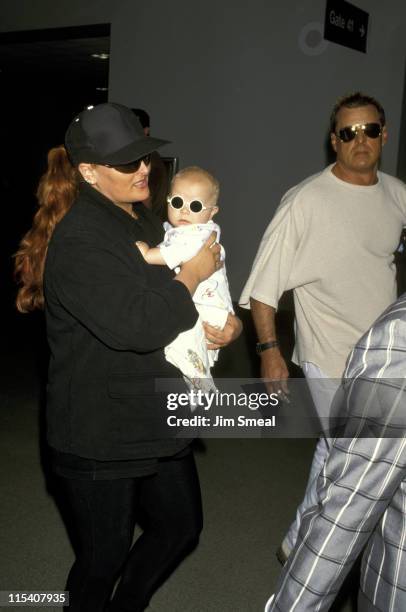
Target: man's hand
[(273, 366), (275, 372), (221, 337)]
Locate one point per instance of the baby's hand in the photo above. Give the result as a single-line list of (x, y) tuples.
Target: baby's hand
[(143, 247)]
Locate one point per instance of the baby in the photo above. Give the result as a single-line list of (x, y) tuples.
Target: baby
[(192, 204)]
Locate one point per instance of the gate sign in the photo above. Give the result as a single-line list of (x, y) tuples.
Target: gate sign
[(346, 25)]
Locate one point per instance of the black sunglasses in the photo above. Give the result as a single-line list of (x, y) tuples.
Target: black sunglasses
[(348, 133), (177, 202), (132, 166)]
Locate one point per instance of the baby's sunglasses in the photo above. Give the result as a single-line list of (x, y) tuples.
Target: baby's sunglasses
[(348, 133), (132, 166), (195, 206)]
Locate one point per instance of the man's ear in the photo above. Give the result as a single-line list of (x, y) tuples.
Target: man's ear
[(384, 135), (88, 173), (333, 140)]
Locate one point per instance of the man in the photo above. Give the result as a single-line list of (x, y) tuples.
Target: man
[(332, 241), (361, 492)]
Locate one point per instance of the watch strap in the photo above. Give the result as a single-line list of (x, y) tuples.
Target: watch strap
[(263, 346)]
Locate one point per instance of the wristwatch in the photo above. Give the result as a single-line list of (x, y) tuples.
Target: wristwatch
[(263, 346)]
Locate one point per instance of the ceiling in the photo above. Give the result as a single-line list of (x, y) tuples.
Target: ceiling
[(55, 60)]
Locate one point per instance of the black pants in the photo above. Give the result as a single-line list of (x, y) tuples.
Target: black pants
[(104, 512)]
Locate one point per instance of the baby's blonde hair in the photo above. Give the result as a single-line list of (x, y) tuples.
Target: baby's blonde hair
[(193, 170)]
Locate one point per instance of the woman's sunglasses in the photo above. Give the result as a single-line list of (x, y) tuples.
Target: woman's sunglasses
[(132, 166), (195, 206), (372, 130)]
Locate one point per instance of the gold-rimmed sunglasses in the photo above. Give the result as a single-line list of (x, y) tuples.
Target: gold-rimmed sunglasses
[(348, 133)]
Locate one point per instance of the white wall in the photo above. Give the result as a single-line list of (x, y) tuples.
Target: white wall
[(234, 87)]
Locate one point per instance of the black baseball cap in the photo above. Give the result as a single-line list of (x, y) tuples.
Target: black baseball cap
[(108, 134)]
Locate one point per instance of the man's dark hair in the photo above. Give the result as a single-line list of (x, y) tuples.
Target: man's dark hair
[(355, 100), (142, 116)]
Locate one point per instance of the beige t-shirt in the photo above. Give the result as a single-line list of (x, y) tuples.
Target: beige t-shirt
[(333, 243)]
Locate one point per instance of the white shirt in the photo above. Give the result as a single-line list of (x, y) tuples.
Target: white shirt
[(333, 243)]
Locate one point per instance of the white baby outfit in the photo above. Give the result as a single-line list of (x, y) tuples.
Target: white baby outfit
[(188, 351)]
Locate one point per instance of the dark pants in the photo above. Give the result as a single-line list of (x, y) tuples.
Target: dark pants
[(104, 512)]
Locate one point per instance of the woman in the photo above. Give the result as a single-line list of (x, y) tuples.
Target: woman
[(109, 315)]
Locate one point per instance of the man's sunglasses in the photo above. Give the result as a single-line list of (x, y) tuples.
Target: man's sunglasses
[(195, 206), (132, 166), (348, 133)]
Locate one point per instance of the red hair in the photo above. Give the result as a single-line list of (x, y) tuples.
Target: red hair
[(56, 192)]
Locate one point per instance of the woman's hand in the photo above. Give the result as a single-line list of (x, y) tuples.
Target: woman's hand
[(202, 265), (221, 337), (207, 260)]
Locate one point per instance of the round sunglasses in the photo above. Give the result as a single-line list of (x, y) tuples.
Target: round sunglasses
[(195, 206), (348, 133), (132, 166)]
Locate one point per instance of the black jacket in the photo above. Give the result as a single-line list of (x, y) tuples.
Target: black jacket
[(109, 315)]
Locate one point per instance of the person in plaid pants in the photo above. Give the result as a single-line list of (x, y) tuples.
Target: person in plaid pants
[(361, 491)]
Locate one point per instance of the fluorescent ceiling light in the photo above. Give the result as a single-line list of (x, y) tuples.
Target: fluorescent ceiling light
[(102, 56)]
